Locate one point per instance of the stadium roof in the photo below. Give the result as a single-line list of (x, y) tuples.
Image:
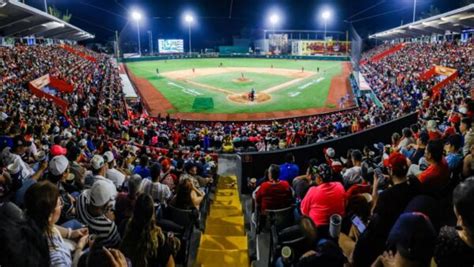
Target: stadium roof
[(20, 20), (450, 22)]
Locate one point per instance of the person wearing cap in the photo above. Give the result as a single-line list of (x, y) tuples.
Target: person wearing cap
[(412, 238), (59, 175), (466, 130), (168, 177), (325, 199), (289, 170), (387, 206), (453, 152), (19, 148), (95, 209), (99, 168), (56, 148), (330, 156), (353, 175), (116, 176), (455, 244), (436, 176)]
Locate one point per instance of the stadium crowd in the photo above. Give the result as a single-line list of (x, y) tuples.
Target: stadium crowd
[(82, 187)]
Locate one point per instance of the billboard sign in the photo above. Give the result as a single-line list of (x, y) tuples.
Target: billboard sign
[(169, 46)]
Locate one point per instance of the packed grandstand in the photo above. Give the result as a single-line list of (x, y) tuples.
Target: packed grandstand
[(100, 182)]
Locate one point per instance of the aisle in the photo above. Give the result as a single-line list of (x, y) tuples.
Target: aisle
[(224, 242)]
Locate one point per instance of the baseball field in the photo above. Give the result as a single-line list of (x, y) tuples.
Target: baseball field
[(216, 88)]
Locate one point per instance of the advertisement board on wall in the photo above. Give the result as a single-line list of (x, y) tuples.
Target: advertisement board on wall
[(169, 46), (315, 47)]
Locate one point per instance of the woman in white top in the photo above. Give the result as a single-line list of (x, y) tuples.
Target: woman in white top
[(43, 206)]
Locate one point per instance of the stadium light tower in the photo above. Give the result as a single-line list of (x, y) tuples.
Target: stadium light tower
[(414, 10), (189, 19), (137, 16), (274, 20), (326, 15)]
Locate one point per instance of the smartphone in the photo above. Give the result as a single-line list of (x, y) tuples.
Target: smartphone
[(357, 222)]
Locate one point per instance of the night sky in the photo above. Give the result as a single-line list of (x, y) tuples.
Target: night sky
[(214, 27)]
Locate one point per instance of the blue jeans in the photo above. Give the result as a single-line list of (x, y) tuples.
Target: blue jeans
[(73, 224)]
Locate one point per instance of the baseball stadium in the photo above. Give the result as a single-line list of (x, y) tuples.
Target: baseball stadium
[(228, 133)]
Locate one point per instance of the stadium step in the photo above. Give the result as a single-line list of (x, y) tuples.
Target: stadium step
[(224, 242)]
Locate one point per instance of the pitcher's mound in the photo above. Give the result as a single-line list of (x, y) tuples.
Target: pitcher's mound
[(242, 80), (244, 99)]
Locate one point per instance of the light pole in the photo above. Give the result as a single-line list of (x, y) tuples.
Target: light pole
[(188, 18), (325, 15), (137, 17), (45, 6), (414, 10), (274, 20)]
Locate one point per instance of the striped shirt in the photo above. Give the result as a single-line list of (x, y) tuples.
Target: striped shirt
[(58, 251), (158, 191), (101, 226)]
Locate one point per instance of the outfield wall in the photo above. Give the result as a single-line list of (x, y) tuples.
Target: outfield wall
[(187, 56), (253, 164)]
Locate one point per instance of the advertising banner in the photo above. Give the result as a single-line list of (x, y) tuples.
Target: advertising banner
[(170, 46), (315, 47)]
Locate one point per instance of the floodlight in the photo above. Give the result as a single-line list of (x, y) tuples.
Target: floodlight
[(274, 19), (326, 15), (136, 15), (188, 18)]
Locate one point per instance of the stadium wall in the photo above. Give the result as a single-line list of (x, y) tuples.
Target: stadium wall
[(253, 164), (183, 56)]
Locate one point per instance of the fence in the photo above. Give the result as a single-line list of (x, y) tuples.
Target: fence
[(254, 164)]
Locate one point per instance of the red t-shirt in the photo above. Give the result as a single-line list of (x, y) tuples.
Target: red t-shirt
[(274, 195), (323, 201), (435, 177)]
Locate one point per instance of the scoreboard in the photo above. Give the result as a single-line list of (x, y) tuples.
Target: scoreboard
[(170, 46)]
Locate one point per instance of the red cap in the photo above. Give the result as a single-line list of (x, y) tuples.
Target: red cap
[(397, 161), (455, 118), (57, 150)]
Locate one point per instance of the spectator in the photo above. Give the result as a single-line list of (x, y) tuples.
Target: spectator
[(468, 134), (142, 169), (325, 199), (116, 176), (468, 163), (144, 243), (301, 184), (453, 154), (388, 205), (159, 192), (289, 170), (455, 245), (436, 176), (99, 169), (420, 148), (273, 194), (412, 237), (94, 209), (125, 201), (353, 175), (187, 196), (43, 207)]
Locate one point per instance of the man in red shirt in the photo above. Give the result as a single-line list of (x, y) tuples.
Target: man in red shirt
[(436, 176), (324, 200), (273, 194)]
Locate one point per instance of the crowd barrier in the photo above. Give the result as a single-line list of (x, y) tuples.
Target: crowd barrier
[(253, 164)]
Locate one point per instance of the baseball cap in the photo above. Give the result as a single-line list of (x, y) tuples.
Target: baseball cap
[(330, 152), (413, 236), (82, 142), (57, 150), (14, 167), (58, 165), (397, 162), (324, 171), (97, 162), (101, 193), (109, 156)]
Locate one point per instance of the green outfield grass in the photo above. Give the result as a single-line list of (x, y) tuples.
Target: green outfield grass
[(308, 93)]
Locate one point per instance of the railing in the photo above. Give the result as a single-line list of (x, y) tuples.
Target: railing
[(253, 164)]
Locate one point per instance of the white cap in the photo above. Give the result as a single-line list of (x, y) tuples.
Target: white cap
[(14, 168), (82, 142), (97, 162), (101, 193), (58, 165), (330, 152), (109, 156)]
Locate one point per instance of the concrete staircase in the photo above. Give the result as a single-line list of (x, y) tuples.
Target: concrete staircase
[(224, 242)]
